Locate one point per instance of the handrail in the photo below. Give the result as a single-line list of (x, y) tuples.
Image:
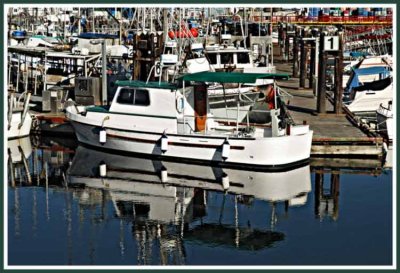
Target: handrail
[(281, 90)]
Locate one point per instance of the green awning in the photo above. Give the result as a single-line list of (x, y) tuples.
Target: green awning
[(232, 77), (142, 84)]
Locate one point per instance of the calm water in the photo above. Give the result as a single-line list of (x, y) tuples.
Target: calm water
[(70, 205)]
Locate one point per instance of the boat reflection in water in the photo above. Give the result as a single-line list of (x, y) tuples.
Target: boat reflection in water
[(19, 150), (167, 201)]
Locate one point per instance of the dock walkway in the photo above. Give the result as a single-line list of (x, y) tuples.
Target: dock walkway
[(334, 135)]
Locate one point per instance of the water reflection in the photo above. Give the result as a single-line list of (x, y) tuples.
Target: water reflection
[(163, 199), (153, 211)]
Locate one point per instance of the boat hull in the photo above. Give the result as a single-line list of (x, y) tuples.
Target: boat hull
[(260, 153), (385, 125), (18, 132)]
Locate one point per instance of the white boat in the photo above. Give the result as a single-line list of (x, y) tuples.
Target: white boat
[(229, 58), (368, 97), (388, 164), (19, 152), (366, 66), (19, 119), (19, 149), (384, 116), (161, 119)]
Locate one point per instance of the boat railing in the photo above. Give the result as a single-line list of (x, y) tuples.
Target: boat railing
[(282, 92)]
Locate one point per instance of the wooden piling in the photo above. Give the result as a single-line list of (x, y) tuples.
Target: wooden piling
[(296, 53), (303, 63), (321, 94), (312, 65), (338, 94), (287, 43)]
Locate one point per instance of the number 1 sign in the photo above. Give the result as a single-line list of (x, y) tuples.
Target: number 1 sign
[(331, 43)]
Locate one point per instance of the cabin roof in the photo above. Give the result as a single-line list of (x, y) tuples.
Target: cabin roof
[(231, 77), (142, 84), (370, 70), (91, 35)]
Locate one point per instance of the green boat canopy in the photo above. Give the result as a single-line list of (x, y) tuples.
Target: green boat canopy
[(232, 77), (142, 84)]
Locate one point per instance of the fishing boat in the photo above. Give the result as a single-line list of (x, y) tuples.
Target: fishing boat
[(18, 118), (384, 117), (231, 58), (174, 121)]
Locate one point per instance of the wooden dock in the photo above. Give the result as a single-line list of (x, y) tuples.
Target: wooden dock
[(334, 134)]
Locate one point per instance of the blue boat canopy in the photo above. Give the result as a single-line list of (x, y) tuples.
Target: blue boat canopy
[(357, 54), (232, 77), (354, 81), (371, 70), (91, 35)]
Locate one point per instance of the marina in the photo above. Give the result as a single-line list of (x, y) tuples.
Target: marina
[(200, 129)]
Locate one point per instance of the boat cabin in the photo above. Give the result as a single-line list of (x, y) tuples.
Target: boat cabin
[(362, 76), (222, 58), (181, 108)]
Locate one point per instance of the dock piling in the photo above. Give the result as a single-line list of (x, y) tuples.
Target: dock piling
[(321, 92)]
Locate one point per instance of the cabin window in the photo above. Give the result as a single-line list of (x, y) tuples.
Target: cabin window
[(142, 97), (243, 58), (126, 96), (226, 58), (134, 97), (212, 58)]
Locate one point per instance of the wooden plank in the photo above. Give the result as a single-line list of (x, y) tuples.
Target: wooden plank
[(347, 150)]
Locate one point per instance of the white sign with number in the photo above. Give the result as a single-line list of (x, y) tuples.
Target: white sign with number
[(331, 43)]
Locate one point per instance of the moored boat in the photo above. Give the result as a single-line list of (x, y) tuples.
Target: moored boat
[(368, 97), (174, 121), (384, 117), (18, 118)]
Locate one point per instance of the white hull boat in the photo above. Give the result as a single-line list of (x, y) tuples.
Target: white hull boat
[(18, 118), (385, 120), (367, 99), (19, 151), (176, 123)]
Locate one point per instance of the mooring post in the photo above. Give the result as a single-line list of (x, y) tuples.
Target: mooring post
[(287, 43), (303, 63), (296, 53), (312, 65), (321, 93), (280, 38), (339, 77)]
